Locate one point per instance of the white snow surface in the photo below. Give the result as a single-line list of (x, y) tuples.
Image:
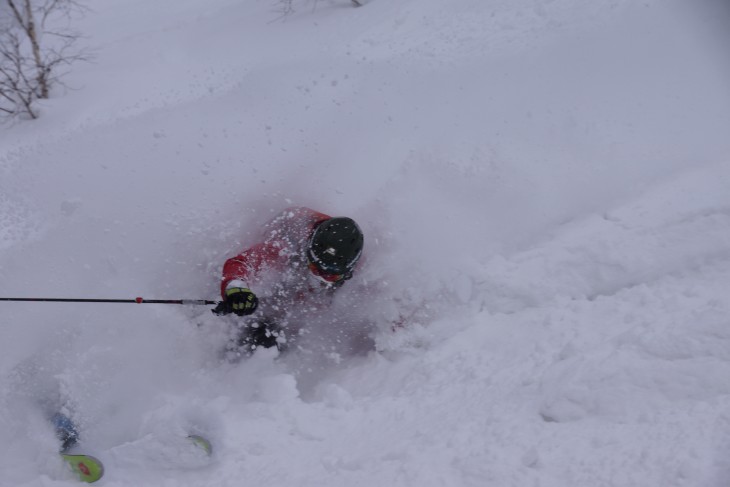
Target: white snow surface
[(545, 192)]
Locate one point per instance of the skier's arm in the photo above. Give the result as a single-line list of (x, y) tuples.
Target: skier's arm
[(244, 267), (238, 272)]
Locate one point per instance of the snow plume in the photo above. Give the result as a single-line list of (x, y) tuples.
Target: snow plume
[(543, 293)]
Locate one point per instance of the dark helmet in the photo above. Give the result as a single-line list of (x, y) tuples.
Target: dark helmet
[(335, 245)]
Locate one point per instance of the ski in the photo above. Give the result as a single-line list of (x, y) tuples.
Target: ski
[(201, 443), (87, 468), (90, 469)]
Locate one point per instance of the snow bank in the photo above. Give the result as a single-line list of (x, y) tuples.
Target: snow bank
[(543, 193)]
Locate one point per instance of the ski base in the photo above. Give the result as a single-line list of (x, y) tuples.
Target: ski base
[(86, 467)]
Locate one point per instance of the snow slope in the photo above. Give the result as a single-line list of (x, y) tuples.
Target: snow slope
[(543, 188)]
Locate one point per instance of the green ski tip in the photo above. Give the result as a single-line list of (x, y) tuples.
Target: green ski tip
[(88, 468), (201, 443)]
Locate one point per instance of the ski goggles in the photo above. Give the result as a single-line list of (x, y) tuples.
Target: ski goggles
[(323, 275)]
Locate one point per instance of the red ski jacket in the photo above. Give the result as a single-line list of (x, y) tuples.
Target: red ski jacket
[(279, 259)]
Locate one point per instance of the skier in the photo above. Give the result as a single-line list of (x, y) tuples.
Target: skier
[(304, 257)]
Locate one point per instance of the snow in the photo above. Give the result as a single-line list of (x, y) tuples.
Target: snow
[(543, 189)]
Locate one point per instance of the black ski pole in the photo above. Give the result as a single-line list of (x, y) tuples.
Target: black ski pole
[(138, 300)]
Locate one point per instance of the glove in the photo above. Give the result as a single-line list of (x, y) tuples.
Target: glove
[(239, 300)]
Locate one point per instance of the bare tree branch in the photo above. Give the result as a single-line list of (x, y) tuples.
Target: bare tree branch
[(28, 68), (288, 7)]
